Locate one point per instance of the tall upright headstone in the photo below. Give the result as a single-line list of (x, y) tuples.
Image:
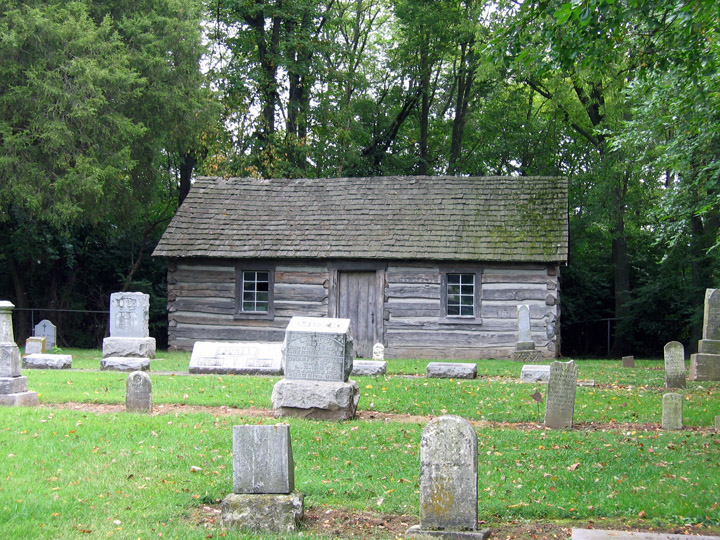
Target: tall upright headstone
[(138, 392), (672, 411), (674, 365), (129, 347), (47, 330), (705, 365), (318, 358), (264, 496), (560, 402), (448, 481), (13, 385), (525, 346)]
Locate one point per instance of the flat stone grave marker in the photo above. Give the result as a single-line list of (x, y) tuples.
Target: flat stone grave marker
[(124, 363), (672, 411), (448, 480), (47, 361), (451, 370), (597, 534), (129, 314), (674, 365), (246, 358), (628, 361), (319, 349), (138, 392), (560, 402), (47, 330), (532, 373), (35, 345), (371, 368)]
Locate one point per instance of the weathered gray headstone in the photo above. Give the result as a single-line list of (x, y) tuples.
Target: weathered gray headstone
[(47, 330), (47, 361), (13, 386), (138, 392), (525, 341), (131, 347), (317, 360), (247, 358), (705, 364), (451, 370), (560, 402), (263, 459), (35, 345), (672, 411), (717, 423), (372, 368), (674, 365), (318, 349), (532, 373), (379, 352), (123, 363), (129, 314), (264, 496), (448, 480), (628, 361)]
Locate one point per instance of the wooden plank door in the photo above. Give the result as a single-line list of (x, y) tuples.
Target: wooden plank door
[(357, 301)]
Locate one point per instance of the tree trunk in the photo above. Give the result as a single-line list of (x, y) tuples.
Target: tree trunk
[(23, 330), (465, 76), (187, 165)]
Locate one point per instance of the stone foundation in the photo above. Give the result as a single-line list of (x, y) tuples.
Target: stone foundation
[(128, 346), (416, 533), (125, 364), (321, 400)]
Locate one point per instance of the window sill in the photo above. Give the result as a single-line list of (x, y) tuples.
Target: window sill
[(471, 321), (267, 316)]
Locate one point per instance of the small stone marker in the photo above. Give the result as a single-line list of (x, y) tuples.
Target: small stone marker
[(560, 402), (318, 358), (47, 361), (717, 423), (35, 345), (247, 358), (672, 411), (451, 370), (448, 481), (379, 352), (532, 373), (122, 363), (372, 368), (47, 330), (628, 361), (674, 365), (128, 348), (597, 534), (705, 364), (13, 386), (138, 392), (264, 496), (524, 342)]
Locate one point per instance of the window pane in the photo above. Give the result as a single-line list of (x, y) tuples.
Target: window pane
[(453, 278), (261, 306), (262, 276), (467, 311), (468, 289), (248, 306), (453, 310)]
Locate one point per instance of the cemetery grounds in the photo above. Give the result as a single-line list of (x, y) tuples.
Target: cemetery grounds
[(79, 466)]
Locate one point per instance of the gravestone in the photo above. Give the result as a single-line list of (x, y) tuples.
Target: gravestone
[(717, 423), (674, 365), (672, 411), (129, 347), (47, 361), (372, 368), (534, 373), (35, 345), (560, 402), (451, 370), (47, 330), (705, 364), (13, 385), (264, 496), (317, 361), (628, 361), (525, 346), (448, 481), (379, 352), (247, 358), (138, 392)]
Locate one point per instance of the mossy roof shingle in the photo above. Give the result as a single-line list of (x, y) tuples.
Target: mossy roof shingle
[(444, 218)]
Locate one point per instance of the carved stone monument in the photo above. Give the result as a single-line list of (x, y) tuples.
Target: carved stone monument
[(318, 358), (246, 358), (128, 348), (264, 496), (13, 386), (674, 365), (560, 402), (379, 352), (138, 392), (705, 365), (35, 345), (672, 411), (525, 346), (47, 330), (448, 481)]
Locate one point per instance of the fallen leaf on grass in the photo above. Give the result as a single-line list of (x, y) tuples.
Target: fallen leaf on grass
[(573, 467)]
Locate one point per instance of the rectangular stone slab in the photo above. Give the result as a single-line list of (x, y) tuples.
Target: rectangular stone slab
[(534, 373), (47, 361), (20, 399), (246, 358), (596, 534), (263, 459), (372, 368), (451, 370), (13, 385), (318, 349), (263, 512), (704, 367)]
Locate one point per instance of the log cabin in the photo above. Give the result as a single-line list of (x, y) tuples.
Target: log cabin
[(432, 267)]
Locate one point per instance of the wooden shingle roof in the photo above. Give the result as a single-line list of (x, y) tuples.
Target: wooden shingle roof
[(444, 218)]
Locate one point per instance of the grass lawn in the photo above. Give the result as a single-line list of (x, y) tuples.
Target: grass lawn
[(87, 474)]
